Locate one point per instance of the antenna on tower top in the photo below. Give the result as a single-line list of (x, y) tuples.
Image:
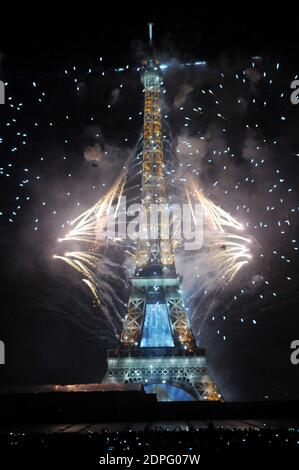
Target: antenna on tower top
[(150, 33)]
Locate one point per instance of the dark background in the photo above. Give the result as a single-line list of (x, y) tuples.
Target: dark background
[(47, 35)]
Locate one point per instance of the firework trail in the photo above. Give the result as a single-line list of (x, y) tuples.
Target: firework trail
[(99, 272)]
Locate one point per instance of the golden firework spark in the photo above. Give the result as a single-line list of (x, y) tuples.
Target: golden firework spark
[(228, 251), (88, 225), (85, 230)]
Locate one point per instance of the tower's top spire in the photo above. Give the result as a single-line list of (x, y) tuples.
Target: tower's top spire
[(151, 72), (150, 33)]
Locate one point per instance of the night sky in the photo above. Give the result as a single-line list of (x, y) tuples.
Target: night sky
[(71, 120)]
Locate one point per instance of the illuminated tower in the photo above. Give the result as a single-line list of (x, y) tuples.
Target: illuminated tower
[(157, 347)]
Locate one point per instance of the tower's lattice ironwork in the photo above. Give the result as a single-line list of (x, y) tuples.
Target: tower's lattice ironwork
[(157, 345)]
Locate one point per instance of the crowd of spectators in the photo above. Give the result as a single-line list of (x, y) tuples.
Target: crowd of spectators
[(157, 440)]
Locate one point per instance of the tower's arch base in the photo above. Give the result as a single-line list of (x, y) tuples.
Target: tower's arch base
[(186, 372)]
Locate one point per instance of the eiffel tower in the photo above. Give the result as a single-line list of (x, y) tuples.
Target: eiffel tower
[(157, 347)]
